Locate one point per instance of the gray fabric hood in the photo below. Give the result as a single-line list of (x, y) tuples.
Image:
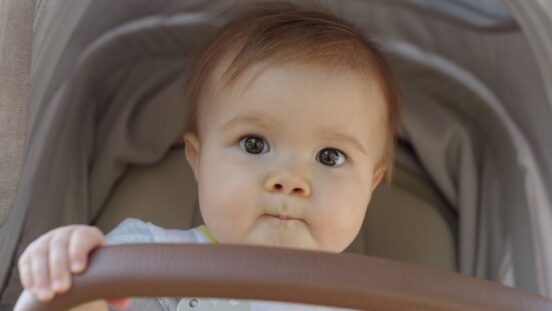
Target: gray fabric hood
[(478, 116)]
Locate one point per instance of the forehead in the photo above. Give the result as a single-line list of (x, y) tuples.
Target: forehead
[(311, 97)]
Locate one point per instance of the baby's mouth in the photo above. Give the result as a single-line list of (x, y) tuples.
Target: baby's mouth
[(285, 218), (284, 214)]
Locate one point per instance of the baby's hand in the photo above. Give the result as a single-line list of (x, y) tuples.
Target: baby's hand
[(46, 265)]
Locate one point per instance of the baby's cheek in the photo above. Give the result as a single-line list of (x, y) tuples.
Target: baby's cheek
[(227, 199), (339, 213)]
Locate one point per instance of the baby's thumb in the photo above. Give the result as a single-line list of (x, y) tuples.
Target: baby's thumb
[(119, 303)]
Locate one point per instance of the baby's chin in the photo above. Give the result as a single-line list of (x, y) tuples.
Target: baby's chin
[(280, 241)]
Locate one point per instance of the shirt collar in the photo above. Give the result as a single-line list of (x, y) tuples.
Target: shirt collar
[(205, 232)]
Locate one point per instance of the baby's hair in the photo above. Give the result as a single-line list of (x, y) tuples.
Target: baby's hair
[(281, 33)]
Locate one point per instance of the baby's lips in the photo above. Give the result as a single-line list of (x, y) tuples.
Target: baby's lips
[(284, 217)]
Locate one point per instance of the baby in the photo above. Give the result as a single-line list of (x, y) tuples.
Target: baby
[(291, 124)]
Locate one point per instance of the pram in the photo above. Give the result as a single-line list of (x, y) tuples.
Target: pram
[(473, 165)]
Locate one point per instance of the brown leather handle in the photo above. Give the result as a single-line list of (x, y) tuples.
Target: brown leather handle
[(247, 272)]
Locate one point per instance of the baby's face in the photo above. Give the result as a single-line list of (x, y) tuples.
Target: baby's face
[(289, 156)]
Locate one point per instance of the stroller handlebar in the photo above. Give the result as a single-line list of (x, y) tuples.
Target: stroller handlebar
[(278, 274)]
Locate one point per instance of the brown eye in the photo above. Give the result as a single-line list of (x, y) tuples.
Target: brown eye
[(331, 157), (253, 144)]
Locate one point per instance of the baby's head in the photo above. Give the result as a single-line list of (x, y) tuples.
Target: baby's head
[(292, 118)]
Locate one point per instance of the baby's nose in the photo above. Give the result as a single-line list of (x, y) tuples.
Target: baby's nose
[(287, 183)]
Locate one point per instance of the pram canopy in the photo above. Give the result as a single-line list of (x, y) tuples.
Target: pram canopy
[(105, 80)]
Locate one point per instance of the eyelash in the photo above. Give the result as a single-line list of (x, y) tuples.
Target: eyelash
[(243, 137)]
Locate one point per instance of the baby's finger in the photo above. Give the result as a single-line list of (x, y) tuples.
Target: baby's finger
[(119, 303), (83, 240), (39, 266), (60, 276), (25, 273), (25, 265)]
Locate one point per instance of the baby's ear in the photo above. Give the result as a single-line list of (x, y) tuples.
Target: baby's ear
[(379, 172), (191, 148)]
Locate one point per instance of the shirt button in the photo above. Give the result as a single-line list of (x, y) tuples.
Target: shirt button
[(188, 304)]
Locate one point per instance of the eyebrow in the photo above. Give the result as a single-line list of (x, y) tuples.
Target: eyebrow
[(258, 120), (266, 122), (345, 138)]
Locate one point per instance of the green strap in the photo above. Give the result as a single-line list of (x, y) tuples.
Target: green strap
[(207, 234)]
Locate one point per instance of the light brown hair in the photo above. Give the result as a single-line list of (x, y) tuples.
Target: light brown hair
[(284, 32)]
